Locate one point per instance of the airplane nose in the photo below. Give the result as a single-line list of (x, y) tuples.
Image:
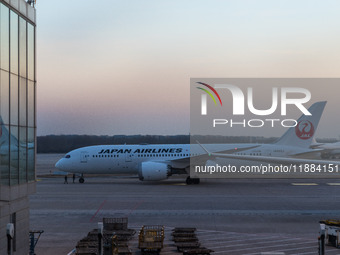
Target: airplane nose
[(59, 165)]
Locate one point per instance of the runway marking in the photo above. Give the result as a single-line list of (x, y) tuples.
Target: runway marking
[(134, 208), (334, 184), (237, 239), (175, 184), (280, 250), (295, 248), (304, 184), (309, 252), (250, 241), (100, 207), (257, 243), (298, 248), (272, 253)]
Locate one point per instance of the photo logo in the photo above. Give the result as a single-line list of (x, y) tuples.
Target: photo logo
[(204, 97), (280, 96), (304, 130)]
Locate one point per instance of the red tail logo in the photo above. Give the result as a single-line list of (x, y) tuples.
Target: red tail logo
[(304, 130)]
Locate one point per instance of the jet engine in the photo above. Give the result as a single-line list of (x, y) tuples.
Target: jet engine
[(154, 171)]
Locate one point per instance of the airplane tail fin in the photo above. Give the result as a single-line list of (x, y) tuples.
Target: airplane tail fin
[(302, 135), (5, 135)]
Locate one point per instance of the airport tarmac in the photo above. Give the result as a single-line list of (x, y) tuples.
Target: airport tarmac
[(242, 216)]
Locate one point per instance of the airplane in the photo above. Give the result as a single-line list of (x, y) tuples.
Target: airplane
[(329, 150), (158, 162), (12, 151)]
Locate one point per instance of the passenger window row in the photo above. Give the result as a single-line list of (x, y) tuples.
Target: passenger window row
[(105, 156), (146, 155)]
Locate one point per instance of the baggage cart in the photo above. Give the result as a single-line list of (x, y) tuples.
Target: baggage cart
[(150, 239)]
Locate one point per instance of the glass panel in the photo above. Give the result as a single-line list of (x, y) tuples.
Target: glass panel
[(30, 51), (4, 37), (14, 42), (14, 111), (22, 154), (31, 105), (22, 102), (14, 156), (22, 45), (4, 155), (4, 102), (30, 154)]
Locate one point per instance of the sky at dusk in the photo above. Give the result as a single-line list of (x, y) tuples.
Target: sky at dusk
[(112, 67)]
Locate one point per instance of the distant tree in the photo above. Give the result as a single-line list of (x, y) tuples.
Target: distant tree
[(66, 143)]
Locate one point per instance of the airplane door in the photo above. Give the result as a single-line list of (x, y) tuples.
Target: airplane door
[(267, 153), (83, 156), (129, 157)]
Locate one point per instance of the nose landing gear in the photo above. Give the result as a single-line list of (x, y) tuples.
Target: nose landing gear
[(81, 179)]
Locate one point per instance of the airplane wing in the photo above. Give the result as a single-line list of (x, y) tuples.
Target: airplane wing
[(308, 154), (202, 158), (314, 146)]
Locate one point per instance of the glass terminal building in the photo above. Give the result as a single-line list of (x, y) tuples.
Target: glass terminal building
[(17, 120)]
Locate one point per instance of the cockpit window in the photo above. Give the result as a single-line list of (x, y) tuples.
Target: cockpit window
[(68, 156)]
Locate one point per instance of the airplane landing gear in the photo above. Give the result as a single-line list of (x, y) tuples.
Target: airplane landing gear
[(192, 180), (81, 179)]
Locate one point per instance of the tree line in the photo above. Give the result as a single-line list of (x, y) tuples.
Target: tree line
[(66, 143)]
